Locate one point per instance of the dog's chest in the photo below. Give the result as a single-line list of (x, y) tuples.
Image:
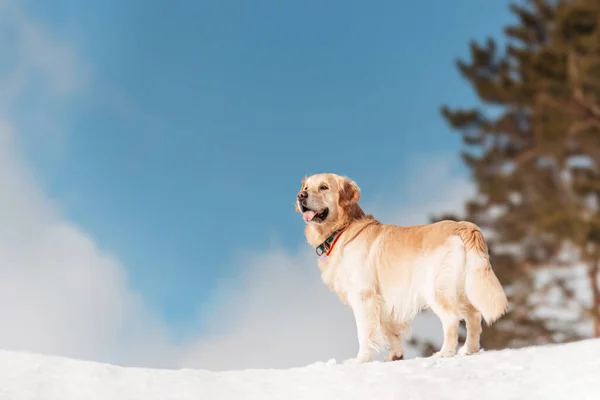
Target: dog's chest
[(346, 273)]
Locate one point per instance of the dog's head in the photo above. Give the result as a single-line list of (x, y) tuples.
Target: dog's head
[(327, 200)]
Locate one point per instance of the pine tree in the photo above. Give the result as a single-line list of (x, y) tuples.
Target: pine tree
[(533, 149)]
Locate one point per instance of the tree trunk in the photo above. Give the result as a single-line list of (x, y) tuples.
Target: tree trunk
[(593, 278)]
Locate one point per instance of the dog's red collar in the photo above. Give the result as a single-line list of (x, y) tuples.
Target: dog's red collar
[(326, 247)]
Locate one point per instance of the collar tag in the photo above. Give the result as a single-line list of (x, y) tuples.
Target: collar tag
[(320, 250), (323, 258)]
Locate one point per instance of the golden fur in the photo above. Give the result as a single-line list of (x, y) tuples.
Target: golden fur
[(388, 273)]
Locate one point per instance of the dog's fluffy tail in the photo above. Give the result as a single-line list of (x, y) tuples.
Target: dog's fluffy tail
[(482, 287)]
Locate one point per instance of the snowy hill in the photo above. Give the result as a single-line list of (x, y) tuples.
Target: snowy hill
[(569, 371)]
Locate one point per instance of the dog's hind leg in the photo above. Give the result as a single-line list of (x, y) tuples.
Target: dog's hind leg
[(450, 323), (473, 321), (444, 302)]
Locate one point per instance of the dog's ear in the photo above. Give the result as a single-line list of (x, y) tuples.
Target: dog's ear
[(301, 189), (349, 191)]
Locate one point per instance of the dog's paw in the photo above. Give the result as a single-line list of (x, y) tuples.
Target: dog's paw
[(465, 351), (393, 357), (444, 354)]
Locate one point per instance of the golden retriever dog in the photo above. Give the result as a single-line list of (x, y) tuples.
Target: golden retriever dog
[(387, 274)]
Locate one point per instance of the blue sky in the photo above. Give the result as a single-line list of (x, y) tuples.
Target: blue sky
[(185, 147)]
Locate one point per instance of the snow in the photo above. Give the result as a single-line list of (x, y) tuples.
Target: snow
[(568, 371)]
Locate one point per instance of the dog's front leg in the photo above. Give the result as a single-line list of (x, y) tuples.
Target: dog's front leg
[(366, 313)]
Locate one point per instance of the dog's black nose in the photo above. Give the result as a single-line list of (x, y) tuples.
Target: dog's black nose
[(302, 195)]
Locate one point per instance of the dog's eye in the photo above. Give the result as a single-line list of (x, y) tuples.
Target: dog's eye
[(323, 187)]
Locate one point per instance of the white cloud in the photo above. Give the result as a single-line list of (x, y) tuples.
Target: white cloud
[(278, 314), (60, 294)]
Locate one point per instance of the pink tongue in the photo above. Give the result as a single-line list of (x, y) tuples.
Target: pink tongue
[(309, 215)]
